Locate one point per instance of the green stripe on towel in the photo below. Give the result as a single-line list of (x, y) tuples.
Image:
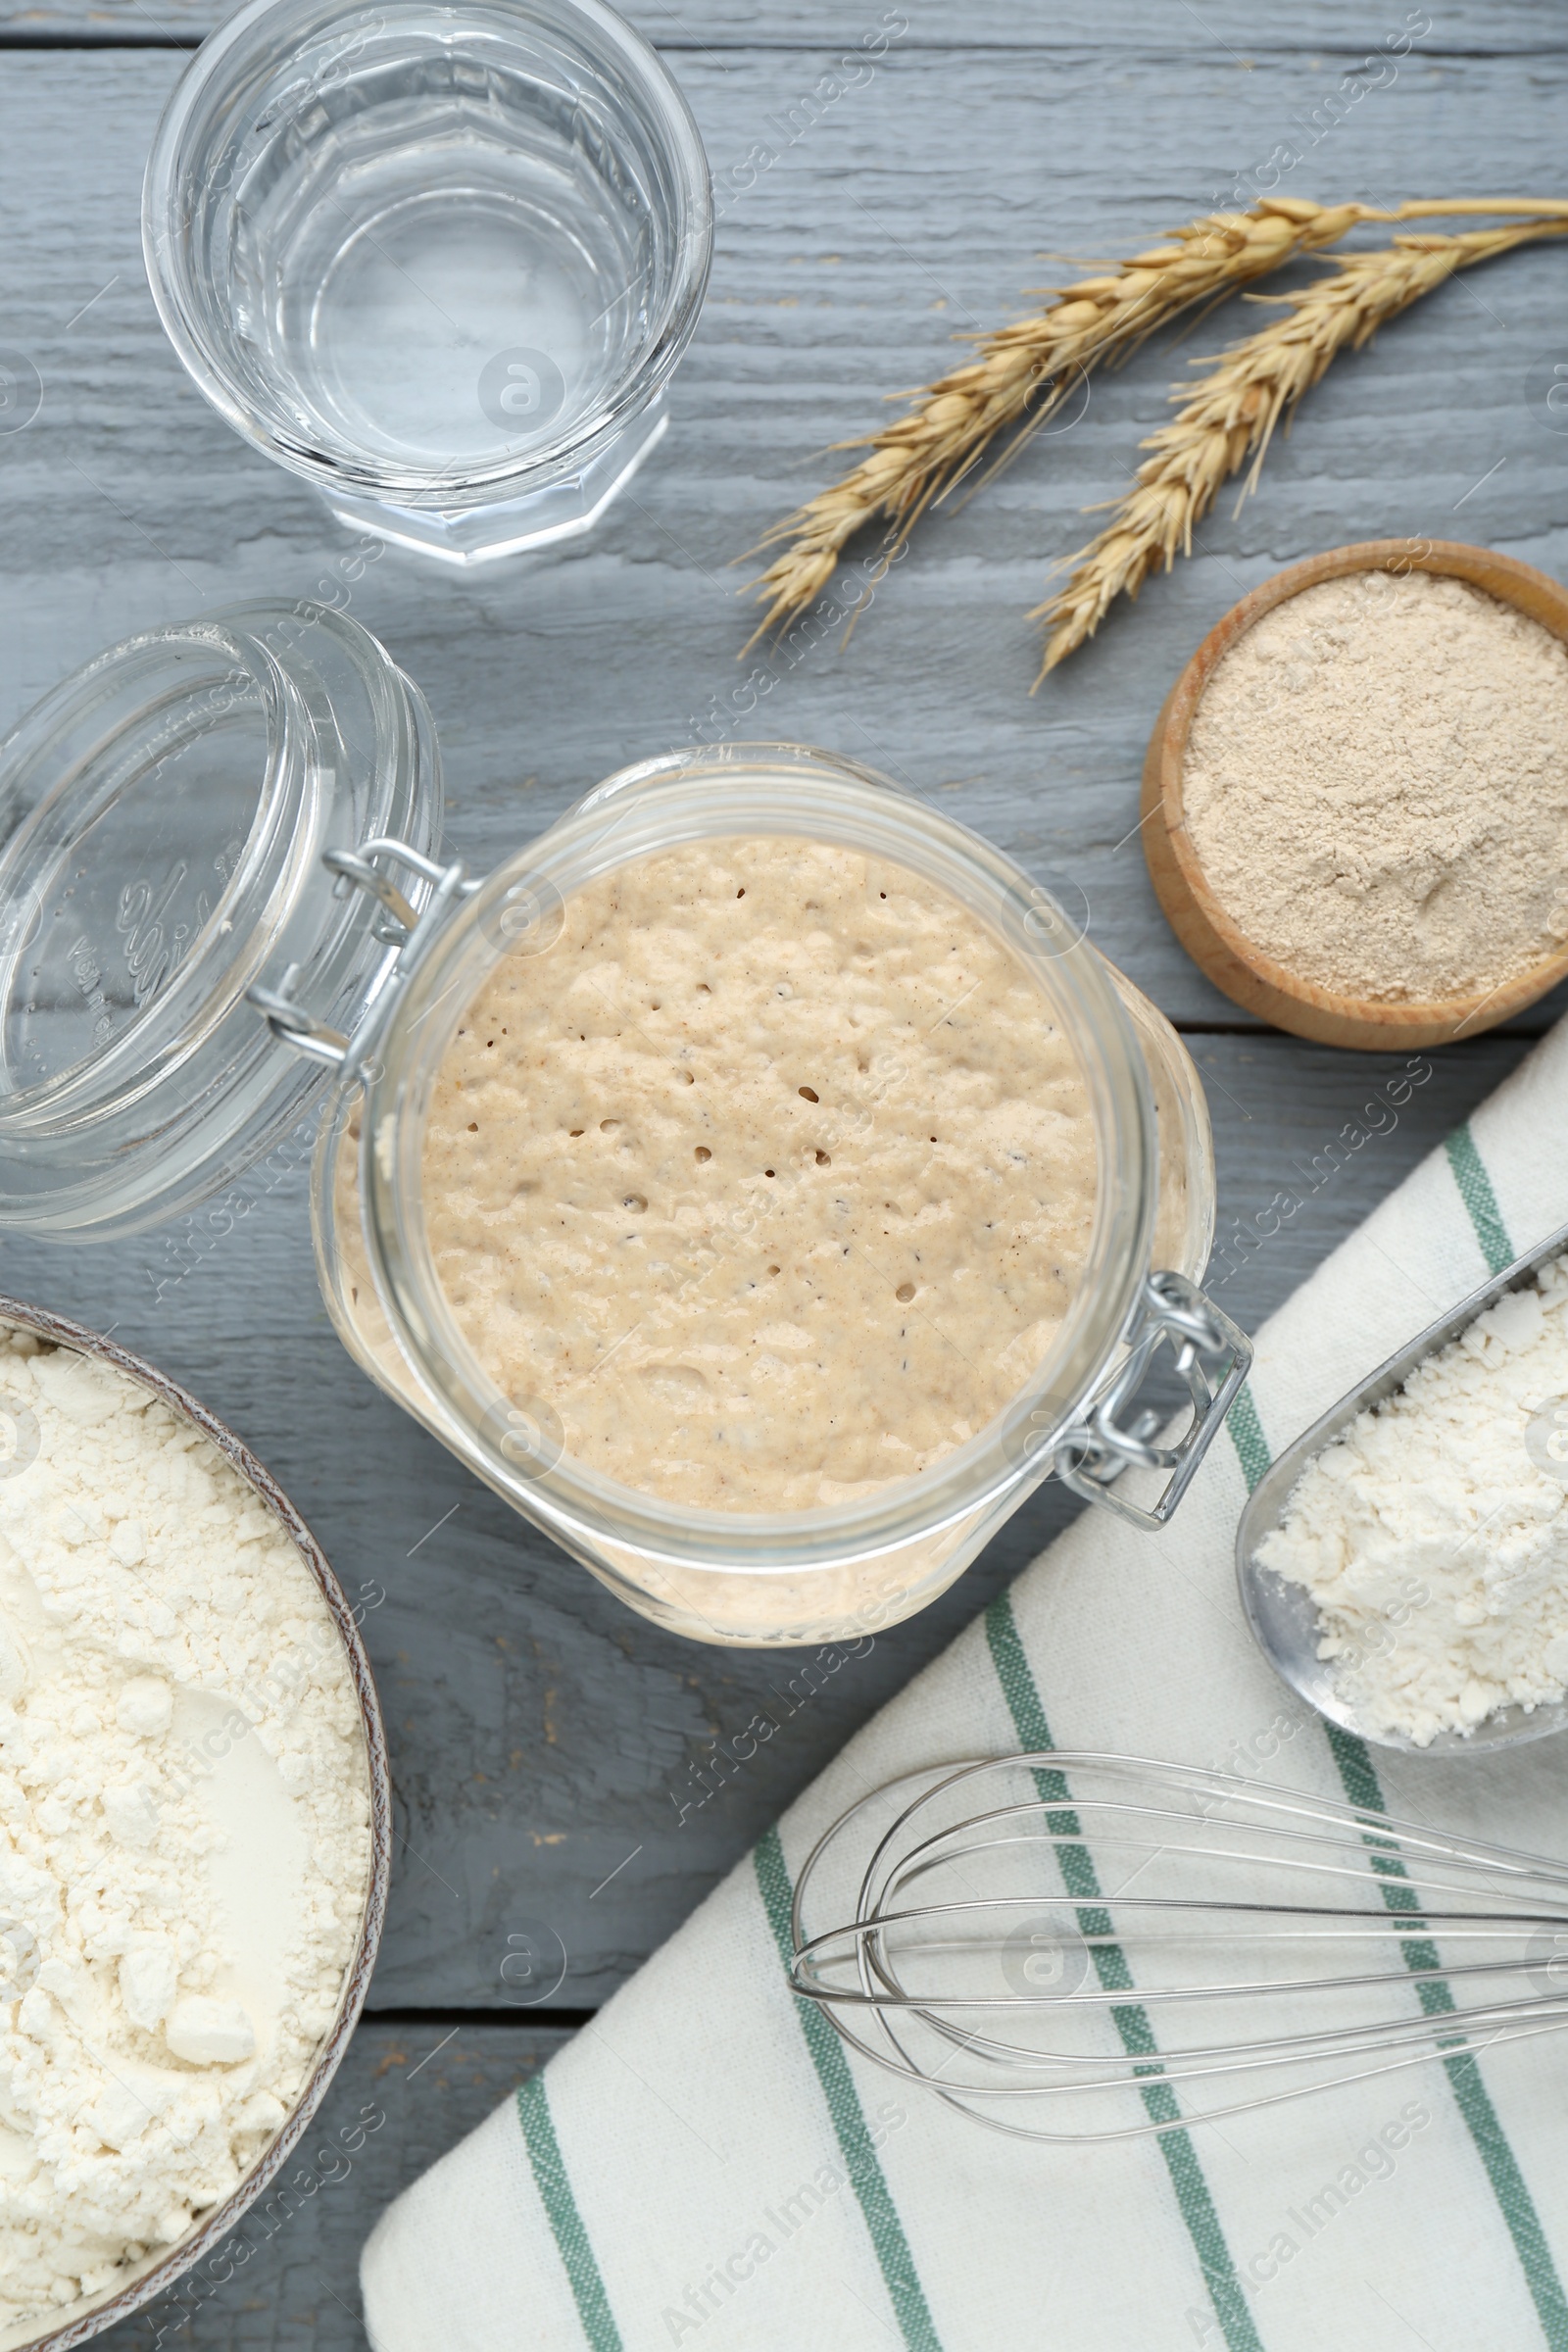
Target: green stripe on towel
[(1079, 1876), (1247, 1435), (566, 2221), (1359, 1780), (1358, 1774), (1475, 1191), (891, 2246)]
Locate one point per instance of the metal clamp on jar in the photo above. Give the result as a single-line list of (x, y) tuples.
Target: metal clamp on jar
[(830, 1573)]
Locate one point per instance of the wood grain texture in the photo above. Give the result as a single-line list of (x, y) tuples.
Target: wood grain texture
[(845, 270), (561, 1766), (1339, 32)]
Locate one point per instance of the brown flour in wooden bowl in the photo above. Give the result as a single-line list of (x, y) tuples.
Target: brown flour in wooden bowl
[(1356, 797), (1377, 785)]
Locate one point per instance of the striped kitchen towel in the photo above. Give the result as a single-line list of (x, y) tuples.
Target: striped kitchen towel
[(706, 2166)]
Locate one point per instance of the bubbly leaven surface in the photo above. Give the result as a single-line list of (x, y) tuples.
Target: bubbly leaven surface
[(770, 1179)]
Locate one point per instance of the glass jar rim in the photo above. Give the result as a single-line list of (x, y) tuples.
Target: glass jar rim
[(702, 794), (165, 211)]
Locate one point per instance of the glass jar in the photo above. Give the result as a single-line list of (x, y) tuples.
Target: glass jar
[(439, 260), (826, 1574), (163, 816), (246, 806)]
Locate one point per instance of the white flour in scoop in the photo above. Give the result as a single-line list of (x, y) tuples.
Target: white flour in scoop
[(184, 1841), (1433, 1535)]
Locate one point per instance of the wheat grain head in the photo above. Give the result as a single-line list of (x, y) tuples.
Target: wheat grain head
[(1232, 414), (1032, 365)]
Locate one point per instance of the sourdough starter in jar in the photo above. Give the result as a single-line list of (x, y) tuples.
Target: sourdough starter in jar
[(772, 1178)]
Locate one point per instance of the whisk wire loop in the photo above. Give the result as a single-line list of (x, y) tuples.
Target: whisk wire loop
[(1039, 1957)]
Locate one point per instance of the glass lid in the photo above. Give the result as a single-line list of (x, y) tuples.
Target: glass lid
[(163, 815)]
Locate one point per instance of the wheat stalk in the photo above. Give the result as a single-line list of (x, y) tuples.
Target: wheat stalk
[(1038, 362), (1028, 370), (1233, 413)]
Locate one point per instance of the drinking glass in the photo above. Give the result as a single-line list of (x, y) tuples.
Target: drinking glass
[(442, 262)]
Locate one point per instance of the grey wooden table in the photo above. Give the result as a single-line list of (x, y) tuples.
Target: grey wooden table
[(548, 1747)]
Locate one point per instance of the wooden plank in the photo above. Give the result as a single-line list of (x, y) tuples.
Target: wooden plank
[(1234, 29), (845, 270), (559, 1765), (287, 2280)]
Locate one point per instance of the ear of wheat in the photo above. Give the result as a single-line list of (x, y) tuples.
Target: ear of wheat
[(1025, 371), (1032, 365), (1232, 414)]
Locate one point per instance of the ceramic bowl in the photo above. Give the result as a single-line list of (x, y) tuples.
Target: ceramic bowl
[(75, 2323)]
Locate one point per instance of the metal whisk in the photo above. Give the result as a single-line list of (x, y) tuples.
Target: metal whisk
[(1075, 1946)]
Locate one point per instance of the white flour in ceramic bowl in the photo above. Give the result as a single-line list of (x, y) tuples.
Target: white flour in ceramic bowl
[(184, 1838)]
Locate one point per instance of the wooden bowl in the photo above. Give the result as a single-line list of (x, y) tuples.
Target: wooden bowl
[(1244, 973)]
